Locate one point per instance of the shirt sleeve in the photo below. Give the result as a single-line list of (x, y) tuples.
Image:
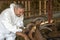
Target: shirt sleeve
[(7, 23), (20, 22)]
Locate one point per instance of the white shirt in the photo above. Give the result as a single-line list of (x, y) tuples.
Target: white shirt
[(9, 21)]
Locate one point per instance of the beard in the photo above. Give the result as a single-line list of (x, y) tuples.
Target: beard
[(19, 15)]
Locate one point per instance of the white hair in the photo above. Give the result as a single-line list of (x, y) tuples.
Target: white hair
[(13, 5)]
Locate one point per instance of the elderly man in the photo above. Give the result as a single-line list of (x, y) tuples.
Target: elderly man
[(11, 19)]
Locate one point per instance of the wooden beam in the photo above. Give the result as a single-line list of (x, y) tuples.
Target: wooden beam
[(15, 0)]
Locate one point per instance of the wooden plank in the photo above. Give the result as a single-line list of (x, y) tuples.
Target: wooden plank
[(15, 0)]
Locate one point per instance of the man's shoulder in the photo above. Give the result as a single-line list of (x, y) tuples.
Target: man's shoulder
[(6, 10)]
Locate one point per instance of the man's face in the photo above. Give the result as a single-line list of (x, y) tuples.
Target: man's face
[(19, 12)]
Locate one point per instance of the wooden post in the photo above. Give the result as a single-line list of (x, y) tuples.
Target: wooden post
[(25, 8), (29, 8), (45, 7), (22, 2), (18, 1), (49, 10), (39, 7)]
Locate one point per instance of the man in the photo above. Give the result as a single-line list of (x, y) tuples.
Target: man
[(11, 19)]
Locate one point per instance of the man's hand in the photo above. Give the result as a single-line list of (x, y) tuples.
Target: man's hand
[(23, 35)]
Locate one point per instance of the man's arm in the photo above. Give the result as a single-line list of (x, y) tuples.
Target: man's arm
[(7, 23), (20, 23)]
